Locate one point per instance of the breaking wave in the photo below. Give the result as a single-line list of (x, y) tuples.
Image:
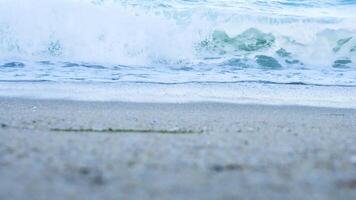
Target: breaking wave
[(208, 40)]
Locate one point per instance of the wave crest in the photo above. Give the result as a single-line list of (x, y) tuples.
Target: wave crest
[(180, 32)]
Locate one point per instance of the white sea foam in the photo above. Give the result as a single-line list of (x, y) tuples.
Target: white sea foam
[(242, 93), (308, 41)]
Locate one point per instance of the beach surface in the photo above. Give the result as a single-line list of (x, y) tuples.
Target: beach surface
[(58, 149)]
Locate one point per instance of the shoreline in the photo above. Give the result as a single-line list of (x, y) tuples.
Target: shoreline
[(111, 150), (168, 103), (237, 93)]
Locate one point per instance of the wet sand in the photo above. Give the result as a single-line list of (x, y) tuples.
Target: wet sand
[(56, 149)]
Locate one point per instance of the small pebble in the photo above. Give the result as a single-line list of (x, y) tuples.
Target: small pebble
[(98, 179), (84, 170)]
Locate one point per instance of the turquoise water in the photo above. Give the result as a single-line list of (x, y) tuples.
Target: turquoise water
[(179, 41)]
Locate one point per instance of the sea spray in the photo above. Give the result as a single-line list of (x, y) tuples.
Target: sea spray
[(178, 41)]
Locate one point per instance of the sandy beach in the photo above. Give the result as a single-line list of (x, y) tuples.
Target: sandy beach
[(56, 149), (177, 100)]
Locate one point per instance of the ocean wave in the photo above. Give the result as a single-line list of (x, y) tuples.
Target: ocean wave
[(180, 34)]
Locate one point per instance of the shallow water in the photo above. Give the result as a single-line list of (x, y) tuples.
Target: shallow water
[(178, 41)]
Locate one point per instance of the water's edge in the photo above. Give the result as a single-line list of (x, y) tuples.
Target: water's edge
[(241, 93)]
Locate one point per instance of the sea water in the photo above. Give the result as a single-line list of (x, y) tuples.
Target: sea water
[(186, 42)]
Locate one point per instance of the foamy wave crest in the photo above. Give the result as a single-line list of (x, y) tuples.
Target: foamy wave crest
[(93, 32), (146, 32), (204, 40)]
